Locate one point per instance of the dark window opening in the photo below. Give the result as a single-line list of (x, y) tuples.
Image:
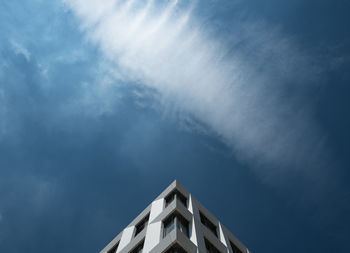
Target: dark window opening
[(210, 247), (169, 225), (235, 249), (206, 222), (141, 225), (175, 195), (176, 249), (175, 220), (114, 248), (138, 248), (182, 225)]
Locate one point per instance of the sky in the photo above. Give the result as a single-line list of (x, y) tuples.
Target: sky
[(103, 103)]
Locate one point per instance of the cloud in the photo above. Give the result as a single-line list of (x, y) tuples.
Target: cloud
[(247, 87), (19, 49)]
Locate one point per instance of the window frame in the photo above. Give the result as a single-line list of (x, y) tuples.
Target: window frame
[(176, 221), (208, 224), (168, 222), (114, 248), (234, 247), (176, 195), (141, 225), (210, 248), (176, 248), (138, 247)]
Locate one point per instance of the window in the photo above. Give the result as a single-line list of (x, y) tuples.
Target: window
[(114, 248), (138, 248), (182, 225), (176, 249), (210, 247), (175, 195), (175, 220), (206, 222), (235, 249), (169, 225), (141, 225)]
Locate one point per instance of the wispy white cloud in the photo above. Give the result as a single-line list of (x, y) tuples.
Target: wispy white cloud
[(245, 88), (20, 49)]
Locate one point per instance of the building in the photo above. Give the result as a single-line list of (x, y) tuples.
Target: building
[(175, 222)]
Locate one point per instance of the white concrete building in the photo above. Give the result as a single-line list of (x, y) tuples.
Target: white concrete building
[(175, 222)]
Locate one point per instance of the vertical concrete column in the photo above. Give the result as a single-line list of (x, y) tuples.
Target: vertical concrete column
[(223, 237), (193, 233), (126, 238), (153, 233), (152, 236), (196, 232)]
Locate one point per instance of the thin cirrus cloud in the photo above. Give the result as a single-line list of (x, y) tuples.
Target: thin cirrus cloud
[(19, 49), (246, 89)]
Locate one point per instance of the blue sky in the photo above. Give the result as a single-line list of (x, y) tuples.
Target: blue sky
[(106, 101)]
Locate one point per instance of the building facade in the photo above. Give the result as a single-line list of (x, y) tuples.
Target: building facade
[(175, 222)]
